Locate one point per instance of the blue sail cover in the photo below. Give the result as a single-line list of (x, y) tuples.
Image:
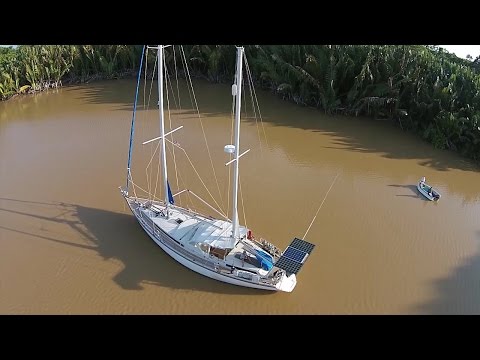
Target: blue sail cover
[(170, 196), (265, 259)]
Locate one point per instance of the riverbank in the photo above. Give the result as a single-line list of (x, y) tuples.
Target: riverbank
[(422, 89)]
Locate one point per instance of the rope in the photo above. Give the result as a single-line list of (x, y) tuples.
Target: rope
[(333, 182), (145, 191), (189, 199), (239, 182), (205, 186), (158, 172), (145, 89), (149, 182), (201, 125), (131, 181), (170, 121), (142, 128), (148, 165), (185, 66), (256, 100), (176, 78), (145, 106), (149, 186), (229, 167), (132, 128), (250, 86), (244, 103), (168, 82), (241, 198)]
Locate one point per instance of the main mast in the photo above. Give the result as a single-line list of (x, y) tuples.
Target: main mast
[(238, 94), (162, 125)]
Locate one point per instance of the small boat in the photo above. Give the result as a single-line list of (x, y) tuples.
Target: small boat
[(426, 190)]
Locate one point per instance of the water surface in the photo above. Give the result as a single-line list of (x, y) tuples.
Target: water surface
[(68, 244)]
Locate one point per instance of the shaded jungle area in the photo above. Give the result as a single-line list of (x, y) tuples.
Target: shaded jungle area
[(423, 89)]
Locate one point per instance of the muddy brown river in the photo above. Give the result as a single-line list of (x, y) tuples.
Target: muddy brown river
[(69, 245)]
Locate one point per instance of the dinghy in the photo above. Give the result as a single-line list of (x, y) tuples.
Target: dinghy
[(426, 190)]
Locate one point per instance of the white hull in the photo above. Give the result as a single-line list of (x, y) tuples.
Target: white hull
[(286, 284), (424, 190)]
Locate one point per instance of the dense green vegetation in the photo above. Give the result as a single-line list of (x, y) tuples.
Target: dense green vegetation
[(425, 90), (38, 67)]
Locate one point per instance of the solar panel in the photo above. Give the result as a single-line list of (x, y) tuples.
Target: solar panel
[(302, 245), (295, 254), (289, 265)]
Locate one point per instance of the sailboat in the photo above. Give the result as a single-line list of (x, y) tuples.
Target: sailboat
[(220, 249)]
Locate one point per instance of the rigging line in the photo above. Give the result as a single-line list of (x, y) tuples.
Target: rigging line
[(163, 85), (133, 187), (146, 192), (169, 83), (231, 142), (145, 78), (189, 82), (183, 61), (333, 182), (244, 102), (149, 182), (188, 195), (196, 172), (132, 128), (189, 199), (158, 173), (176, 78), (139, 187), (256, 101), (151, 169), (145, 106), (170, 121), (243, 206), (252, 90), (142, 128), (250, 86), (185, 65), (198, 175), (203, 131), (145, 82)]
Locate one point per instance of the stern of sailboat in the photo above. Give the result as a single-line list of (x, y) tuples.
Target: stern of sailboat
[(294, 256), (291, 261)]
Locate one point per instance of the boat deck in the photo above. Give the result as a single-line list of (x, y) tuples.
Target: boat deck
[(195, 232)]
